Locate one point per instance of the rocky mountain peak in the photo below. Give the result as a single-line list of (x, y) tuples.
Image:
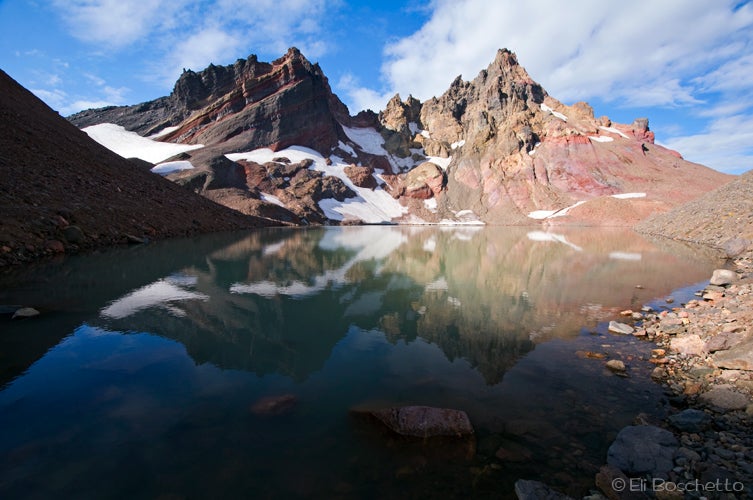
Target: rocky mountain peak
[(498, 145), (399, 114), (502, 95), (506, 63), (246, 105)]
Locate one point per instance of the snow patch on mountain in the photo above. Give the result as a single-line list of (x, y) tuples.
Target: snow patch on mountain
[(169, 167), (367, 138), (132, 145), (270, 198), (547, 109), (615, 131), (625, 196), (370, 206)]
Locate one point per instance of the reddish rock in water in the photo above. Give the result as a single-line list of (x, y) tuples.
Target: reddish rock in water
[(424, 421), (274, 405)]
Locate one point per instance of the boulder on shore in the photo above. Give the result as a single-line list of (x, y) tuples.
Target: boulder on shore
[(641, 449), (621, 328), (723, 277)]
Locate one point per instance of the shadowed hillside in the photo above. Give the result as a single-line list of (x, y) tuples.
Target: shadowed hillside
[(62, 192)]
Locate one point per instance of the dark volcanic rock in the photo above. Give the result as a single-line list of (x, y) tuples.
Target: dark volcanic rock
[(361, 176), (210, 172), (690, 420), (244, 106), (641, 449), (535, 490), (53, 176)]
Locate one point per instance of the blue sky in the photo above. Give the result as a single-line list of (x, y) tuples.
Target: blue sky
[(687, 65)]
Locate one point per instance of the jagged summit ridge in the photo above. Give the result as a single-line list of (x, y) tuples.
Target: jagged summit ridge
[(248, 104), (503, 149)]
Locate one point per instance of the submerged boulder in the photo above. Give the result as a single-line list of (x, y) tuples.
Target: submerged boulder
[(274, 405), (424, 421), (535, 490), (25, 312)]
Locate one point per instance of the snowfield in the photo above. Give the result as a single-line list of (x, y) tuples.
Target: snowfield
[(615, 131), (370, 206), (601, 138), (132, 145)]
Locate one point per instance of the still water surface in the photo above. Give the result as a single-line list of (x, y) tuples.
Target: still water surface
[(227, 366)]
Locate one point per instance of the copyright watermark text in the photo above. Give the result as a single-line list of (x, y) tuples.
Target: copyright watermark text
[(641, 484)]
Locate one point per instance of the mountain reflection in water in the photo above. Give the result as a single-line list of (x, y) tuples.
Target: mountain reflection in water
[(277, 302), (151, 359)]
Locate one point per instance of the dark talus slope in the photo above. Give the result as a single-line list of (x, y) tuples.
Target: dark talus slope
[(62, 192)]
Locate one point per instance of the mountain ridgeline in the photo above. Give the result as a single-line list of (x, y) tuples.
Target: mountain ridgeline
[(497, 149)]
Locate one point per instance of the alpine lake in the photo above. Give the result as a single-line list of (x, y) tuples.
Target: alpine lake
[(230, 365)]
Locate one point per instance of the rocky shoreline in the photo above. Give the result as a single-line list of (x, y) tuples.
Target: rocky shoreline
[(704, 360)]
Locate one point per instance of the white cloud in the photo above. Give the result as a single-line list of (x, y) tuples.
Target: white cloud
[(192, 34), (362, 97), (692, 54), (55, 98), (82, 104), (115, 23), (65, 104), (735, 74), (201, 48), (54, 80), (577, 50), (726, 145)]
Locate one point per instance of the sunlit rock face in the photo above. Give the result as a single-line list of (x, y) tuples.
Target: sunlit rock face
[(503, 146), (523, 151), (244, 106)]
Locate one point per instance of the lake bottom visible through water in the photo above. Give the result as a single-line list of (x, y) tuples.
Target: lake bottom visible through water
[(230, 365)]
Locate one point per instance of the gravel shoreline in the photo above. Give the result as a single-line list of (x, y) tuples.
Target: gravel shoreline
[(704, 359)]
